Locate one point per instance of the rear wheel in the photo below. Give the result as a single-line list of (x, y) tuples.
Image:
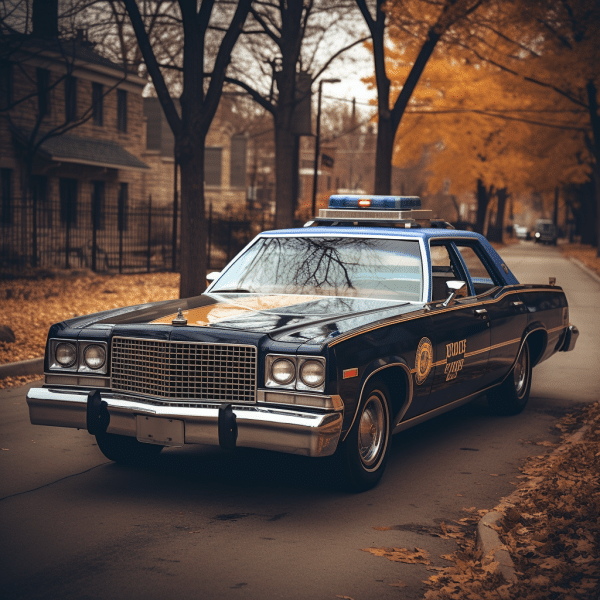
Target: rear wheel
[(364, 452), (511, 396), (127, 450)]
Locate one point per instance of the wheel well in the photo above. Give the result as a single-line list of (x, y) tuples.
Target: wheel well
[(537, 344), (395, 378)]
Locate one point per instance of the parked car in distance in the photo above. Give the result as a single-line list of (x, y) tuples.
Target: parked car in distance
[(321, 341), (545, 232), (522, 232)]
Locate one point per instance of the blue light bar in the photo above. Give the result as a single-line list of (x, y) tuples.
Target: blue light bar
[(376, 202)]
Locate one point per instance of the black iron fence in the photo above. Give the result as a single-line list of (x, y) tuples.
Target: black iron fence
[(142, 239)]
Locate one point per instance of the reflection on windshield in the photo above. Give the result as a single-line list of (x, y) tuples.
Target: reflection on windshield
[(351, 267)]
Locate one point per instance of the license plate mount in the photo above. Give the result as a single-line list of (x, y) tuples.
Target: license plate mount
[(160, 430)]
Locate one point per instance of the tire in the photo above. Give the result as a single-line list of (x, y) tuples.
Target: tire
[(364, 453), (512, 395), (127, 450)]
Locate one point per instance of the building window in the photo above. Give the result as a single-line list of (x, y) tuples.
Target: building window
[(213, 166), (68, 201), (98, 104), (40, 197), (98, 204), (237, 172), (123, 206), (6, 217), (6, 84), (43, 91), (122, 110), (70, 98)]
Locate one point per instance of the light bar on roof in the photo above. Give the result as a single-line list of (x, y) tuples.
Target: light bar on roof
[(399, 209), (376, 202)]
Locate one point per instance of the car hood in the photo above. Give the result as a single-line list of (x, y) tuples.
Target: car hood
[(284, 317)]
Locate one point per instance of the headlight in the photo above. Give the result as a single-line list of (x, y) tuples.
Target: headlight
[(302, 373), (283, 371), (65, 354), (94, 356), (312, 373)]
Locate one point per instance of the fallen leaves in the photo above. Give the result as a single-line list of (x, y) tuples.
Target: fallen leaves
[(552, 532), (30, 306), (402, 555), (583, 252), (8, 382)]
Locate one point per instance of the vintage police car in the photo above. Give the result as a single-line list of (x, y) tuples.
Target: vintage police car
[(319, 341)]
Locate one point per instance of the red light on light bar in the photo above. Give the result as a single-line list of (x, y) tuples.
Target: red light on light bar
[(364, 202)]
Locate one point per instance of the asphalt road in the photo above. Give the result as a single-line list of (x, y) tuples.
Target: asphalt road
[(205, 524)]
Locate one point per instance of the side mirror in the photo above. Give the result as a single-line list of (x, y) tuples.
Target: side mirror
[(211, 277), (456, 289)]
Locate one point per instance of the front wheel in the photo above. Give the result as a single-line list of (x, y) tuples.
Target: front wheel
[(364, 452), (511, 396), (127, 450)]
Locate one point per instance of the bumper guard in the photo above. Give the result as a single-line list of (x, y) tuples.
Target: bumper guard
[(293, 431)]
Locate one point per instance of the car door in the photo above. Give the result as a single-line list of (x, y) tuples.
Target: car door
[(461, 333), (500, 304)]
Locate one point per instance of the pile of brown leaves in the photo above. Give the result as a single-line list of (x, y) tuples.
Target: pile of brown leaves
[(550, 527), (586, 254), (30, 306)]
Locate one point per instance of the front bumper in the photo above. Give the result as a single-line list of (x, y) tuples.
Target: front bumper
[(289, 430)]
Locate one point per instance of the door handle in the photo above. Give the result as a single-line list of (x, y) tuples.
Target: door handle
[(517, 303), (481, 313)]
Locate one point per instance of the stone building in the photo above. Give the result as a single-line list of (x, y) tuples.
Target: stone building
[(72, 133), (225, 176)]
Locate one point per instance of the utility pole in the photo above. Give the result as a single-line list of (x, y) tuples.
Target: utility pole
[(318, 142)]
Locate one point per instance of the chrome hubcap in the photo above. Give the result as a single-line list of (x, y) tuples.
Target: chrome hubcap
[(520, 372), (371, 432)]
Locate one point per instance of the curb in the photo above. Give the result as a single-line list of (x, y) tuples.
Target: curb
[(34, 366), (585, 269), (488, 540), (493, 550)]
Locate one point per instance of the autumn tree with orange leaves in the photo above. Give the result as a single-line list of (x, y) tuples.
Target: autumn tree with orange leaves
[(417, 26), (510, 106)]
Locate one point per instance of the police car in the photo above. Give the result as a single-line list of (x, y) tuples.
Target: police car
[(321, 341)]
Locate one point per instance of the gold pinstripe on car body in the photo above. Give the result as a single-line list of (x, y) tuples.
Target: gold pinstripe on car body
[(412, 317)]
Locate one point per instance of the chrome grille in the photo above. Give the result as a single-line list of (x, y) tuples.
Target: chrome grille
[(184, 371)]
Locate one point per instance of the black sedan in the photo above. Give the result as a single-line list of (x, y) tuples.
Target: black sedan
[(321, 341)]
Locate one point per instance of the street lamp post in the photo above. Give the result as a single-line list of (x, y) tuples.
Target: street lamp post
[(317, 143)]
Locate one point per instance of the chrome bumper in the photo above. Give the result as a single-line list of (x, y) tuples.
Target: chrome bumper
[(571, 335), (271, 428)]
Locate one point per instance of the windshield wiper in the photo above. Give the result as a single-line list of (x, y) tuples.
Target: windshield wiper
[(232, 291)]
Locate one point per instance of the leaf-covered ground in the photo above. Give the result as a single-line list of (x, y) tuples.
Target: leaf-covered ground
[(551, 529), (30, 306), (584, 253)]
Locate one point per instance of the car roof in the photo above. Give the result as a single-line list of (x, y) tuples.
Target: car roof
[(425, 234)]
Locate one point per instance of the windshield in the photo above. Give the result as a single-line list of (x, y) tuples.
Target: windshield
[(354, 267)]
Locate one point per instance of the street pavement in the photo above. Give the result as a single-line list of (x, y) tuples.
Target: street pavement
[(203, 523)]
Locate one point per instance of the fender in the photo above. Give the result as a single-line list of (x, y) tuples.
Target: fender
[(535, 327), (376, 367), (537, 353)]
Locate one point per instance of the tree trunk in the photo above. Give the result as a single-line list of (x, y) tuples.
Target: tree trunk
[(595, 122), (286, 168), (384, 155), (496, 232), (483, 199), (193, 221)]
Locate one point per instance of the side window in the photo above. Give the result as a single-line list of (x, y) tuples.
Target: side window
[(483, 278), (442, 271)]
